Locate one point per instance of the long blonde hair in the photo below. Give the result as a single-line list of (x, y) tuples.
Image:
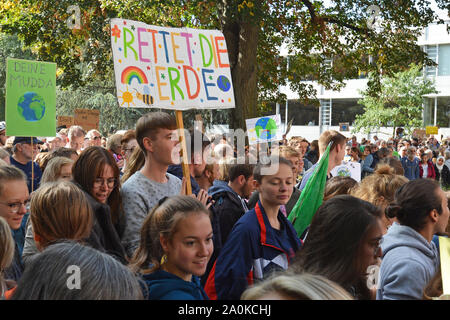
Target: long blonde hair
[(304, 286), (379, 188), (6, 252), (162, 220), (60, 210), (52, 171), (134, 163)]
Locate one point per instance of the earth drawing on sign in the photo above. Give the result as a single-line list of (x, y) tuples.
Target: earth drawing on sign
[(31, 106), (344, 172), (266, 128)]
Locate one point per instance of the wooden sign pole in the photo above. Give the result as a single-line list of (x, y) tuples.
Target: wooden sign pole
[(184, 155), (32, 166)]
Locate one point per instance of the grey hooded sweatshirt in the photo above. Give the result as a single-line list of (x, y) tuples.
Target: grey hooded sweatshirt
[(409, 262)]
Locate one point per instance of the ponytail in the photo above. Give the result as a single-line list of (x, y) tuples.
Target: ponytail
[(413, 202), (392, 210)]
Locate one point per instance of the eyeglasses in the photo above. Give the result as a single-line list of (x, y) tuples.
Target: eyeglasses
[(129, 149), (96, 138), (111, 182), (15, 207)]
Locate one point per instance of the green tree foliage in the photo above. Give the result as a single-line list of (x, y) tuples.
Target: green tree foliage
[(254, 31), (398, 103), (111, 115), (10, 47)]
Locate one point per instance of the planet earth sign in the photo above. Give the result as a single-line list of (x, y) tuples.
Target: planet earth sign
[(266, 128), (31, 106), (223, 83)]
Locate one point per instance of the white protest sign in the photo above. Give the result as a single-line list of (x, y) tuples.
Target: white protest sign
[(170, 68), (348, 169), (264, 129)]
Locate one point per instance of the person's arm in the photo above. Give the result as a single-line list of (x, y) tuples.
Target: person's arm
[(231, 272), (405, 279), (367, 163), (135, 211), (417, 173), (433, 172), (29, 249), (305, 179)]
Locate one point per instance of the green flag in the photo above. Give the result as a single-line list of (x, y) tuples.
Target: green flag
[(312, 195)]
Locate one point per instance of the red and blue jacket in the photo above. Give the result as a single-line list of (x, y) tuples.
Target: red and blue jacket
[(252, 252)]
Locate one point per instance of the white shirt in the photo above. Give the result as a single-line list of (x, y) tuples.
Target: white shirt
[(425, 170)]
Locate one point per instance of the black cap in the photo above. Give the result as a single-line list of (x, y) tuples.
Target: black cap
[(26, 140)]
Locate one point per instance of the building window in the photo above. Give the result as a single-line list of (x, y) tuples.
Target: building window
[(444, 60), (432, 54)]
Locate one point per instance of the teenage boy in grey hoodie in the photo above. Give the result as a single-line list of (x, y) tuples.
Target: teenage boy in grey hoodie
[(410, 258)]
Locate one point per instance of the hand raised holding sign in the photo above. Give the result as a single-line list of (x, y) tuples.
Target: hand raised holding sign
[(202, 196)]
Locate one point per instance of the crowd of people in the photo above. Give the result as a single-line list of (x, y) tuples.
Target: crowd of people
[(118, 209)]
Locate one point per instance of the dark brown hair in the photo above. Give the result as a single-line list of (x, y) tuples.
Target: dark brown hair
[(334, 240), (338, 185), (127, 136), (149, 124), (60, 152), (413, 202), (273, 160), (90, 166), (237, 169)]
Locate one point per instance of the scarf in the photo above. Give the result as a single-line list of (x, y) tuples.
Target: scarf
[(437, 165)]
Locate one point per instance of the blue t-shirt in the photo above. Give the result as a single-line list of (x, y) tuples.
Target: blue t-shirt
[(26, 168)]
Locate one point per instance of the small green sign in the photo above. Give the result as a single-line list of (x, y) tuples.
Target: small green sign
[(30, 98)]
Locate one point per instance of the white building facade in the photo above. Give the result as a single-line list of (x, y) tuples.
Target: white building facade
[(435, 40)]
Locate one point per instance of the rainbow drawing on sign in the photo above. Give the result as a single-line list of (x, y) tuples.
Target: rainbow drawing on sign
[(132, 72)]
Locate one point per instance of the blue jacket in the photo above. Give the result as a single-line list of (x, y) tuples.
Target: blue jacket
[(226, 210), (307, 175), (177, 171), (15, 270), (37, 173), (412, 170), (163, 285), (252, 251)]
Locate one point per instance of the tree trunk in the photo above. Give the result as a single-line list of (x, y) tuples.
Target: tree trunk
[(242, 43)]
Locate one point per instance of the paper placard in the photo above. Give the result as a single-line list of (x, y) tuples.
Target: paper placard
[(30, 98), (171, 68), (87, 118), (419, 133), (348, 169), (67, 121), (264, 129), (344, 126), (431, 130), (444, 248)]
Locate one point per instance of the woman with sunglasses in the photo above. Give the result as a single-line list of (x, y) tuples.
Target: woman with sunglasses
[(97, 174)]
